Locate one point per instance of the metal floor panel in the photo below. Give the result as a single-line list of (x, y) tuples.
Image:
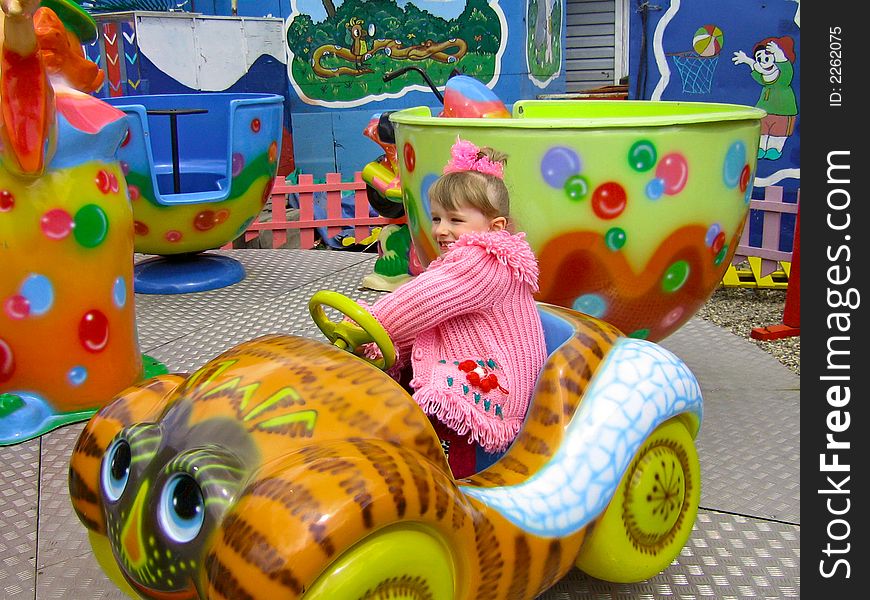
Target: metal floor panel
[(269, 273), (745, 542), (19, 505)]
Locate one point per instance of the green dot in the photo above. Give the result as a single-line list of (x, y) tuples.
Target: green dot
[(721, 255), (675, 276), (9, 403), (640, 334), (91, 226), (576, 187), (615, 238), (642, 156)]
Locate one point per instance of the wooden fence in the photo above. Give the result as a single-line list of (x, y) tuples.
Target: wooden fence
[(335, 222), (768, 266)]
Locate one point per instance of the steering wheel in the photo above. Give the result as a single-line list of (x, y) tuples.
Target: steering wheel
[(346, 335)]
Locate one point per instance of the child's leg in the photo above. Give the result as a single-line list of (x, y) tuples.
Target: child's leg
[(461, 456)]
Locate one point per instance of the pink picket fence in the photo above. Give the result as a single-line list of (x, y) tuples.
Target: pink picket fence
[(335, 222), (768, 265)]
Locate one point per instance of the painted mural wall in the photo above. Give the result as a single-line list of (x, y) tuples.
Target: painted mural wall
[(741, 52)]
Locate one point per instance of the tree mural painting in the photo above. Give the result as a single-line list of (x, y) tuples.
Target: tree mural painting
[(543, 40), (341, 60)]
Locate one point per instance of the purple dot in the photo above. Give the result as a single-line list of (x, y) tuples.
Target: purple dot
[(238, 163), (558, 164)]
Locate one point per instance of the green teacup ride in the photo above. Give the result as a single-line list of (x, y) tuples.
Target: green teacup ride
[(633, 208)]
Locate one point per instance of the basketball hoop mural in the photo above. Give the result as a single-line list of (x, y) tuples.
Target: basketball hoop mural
[(696, 67)]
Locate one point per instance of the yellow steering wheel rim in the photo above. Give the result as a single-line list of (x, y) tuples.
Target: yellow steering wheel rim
[(346, 335)]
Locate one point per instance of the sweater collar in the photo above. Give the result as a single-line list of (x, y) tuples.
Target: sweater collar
[(511, 249)]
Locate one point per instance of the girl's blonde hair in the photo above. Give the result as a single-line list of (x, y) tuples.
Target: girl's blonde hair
[(487, 193)]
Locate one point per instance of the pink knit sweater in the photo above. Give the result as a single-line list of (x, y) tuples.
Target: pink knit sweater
[(472, 304)]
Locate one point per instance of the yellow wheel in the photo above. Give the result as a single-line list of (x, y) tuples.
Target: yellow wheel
[(400, 563), (349, 336), (652, 513)]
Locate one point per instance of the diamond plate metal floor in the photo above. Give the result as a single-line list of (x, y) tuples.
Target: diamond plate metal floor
[(745, 542)]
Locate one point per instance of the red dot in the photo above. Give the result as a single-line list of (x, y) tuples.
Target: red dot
[(255, 125), (140, 228), (173, 236), (103, 181), (56, 224), (273, 151), (608, 200), (7, 200), (410, 157), (17, 307), (127, 137), (7, 362), (133, 192), (221, 215), (744, 178), (204, 221), (94, 331), (718, 242)]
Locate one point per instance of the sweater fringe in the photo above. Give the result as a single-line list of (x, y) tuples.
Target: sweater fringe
[(512, 250), (491, 433)]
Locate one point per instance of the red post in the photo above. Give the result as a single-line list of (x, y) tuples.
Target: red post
[(791, 314)]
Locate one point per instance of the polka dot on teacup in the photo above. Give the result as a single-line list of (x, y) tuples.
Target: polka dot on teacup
[(119, 291), (94, 331), (593, 305), (56, 224), (39, 292), (77, 375)]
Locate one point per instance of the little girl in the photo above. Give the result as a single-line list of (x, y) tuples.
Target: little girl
[(468, 324)]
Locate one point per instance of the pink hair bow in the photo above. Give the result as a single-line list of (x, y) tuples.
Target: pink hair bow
[(465, 156)]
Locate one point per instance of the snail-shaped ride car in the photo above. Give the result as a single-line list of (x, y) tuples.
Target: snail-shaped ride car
[(289, 468)]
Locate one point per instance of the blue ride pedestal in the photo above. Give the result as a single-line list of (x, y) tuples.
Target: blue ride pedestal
[(186, 274)]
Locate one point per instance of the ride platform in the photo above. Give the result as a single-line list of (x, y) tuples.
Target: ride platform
[(745, 542)]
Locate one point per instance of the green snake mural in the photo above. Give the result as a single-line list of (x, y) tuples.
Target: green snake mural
[(448, 52), (341, 60)]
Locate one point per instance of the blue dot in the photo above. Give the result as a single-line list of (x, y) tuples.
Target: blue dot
[(591, 304), (427, 182), (735, 160), (77, 375), (119, 292), (655, 188), (39, 293)]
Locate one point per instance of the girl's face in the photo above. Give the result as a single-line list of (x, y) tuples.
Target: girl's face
[(448, 225)]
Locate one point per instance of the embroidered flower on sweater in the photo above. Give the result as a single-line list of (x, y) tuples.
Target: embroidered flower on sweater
[(480, 377)]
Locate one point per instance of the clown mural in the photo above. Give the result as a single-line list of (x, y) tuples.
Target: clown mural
[(67, 333), (772, 64)]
